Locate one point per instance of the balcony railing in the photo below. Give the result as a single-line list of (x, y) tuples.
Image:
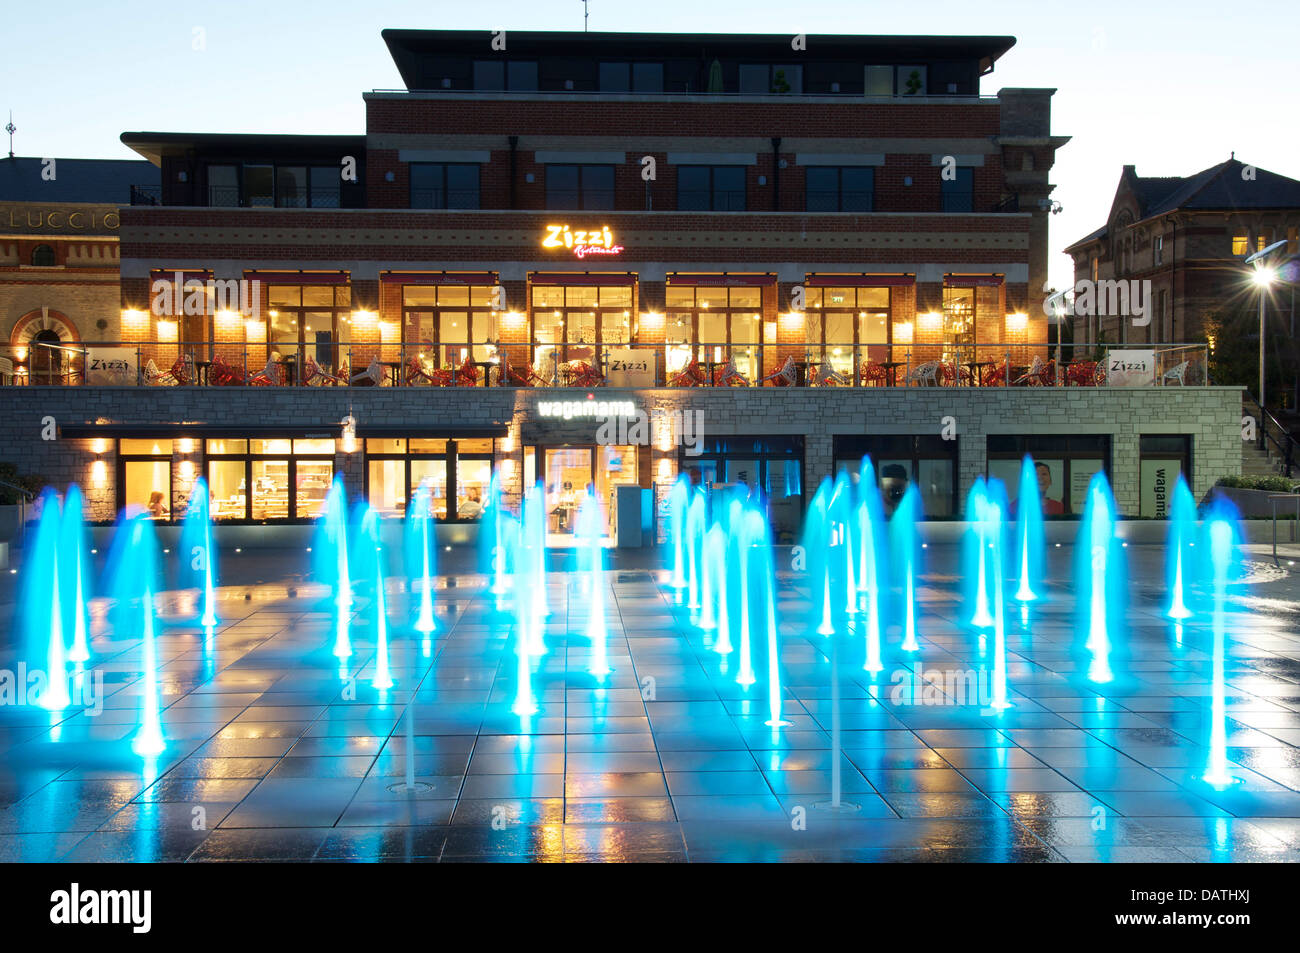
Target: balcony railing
[(588, 365)]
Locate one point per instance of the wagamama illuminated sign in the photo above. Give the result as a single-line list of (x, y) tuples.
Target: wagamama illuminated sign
[(582, 243)]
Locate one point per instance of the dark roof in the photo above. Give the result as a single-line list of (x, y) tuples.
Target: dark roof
[(96, 181), (1222, 187), (409, 48), (154, 145)]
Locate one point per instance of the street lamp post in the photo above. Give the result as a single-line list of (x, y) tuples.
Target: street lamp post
[(1263, 277)]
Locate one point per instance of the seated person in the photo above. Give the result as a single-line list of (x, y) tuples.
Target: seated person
[(157, 509), (472, 506)]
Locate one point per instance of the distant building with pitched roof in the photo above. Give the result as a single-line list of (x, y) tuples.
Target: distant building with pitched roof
[(1188, 236)]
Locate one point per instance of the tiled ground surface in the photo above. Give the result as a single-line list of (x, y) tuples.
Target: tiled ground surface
[(671, 760)]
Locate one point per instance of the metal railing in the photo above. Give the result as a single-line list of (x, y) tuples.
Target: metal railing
[(1273, 434), (589, 364)]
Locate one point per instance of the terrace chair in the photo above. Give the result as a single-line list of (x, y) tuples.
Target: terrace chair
[(415, 372), (827, 376), (183, 370), (524, 376), (316, 376), (872, 374), (372, 376), (995, 375), (1085, 374), (784, 376), (923, 374), (1033, 376), (467, 374), (157, 378), (689, 376), (581, 374), (271, 375), (224, 374), (729, 376), (1176, 373)]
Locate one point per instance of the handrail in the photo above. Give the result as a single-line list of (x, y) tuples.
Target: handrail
[(1273, 501), (1287, 451)]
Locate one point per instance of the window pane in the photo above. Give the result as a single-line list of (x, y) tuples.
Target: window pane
[(258, 186), (523, 77), (423, 445), (746, 297), (270, 489), (648, 77), (462, 186), (754, 79), (597, 186), (387, 495), (317, 296), (434, 474), (957, 193), (935, 481), (285, 296), (227, 446), (291, 186), (693, 187), (269, 446), (472, 477), (223, 185), (427, 185), (879, 81), (822, 185), (145, 447), (420, 295), (855, 189), (613, 78), (226, 487), (314, 478), (324, 187), (148, 488), (562, 187), (490, 75), (680, 296), (386, 445), (787, 79), (548, 296), (325, 445), (729, 189)]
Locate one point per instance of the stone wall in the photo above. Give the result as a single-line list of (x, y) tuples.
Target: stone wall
[(1211, 415)]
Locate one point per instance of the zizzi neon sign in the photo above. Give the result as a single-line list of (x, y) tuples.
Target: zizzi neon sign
[(581, 243)]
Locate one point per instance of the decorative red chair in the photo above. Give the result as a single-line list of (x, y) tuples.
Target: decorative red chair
[(995, 375), (1085, 374), (1033, 375), (270, 376), (581, 374), (784, 376), (952, 374), (689, 376), (827, 376), (467, 374), (224, 374), (872, 374)]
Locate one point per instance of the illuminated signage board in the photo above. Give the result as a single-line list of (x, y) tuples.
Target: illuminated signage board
[(596, 241), (578, 409)]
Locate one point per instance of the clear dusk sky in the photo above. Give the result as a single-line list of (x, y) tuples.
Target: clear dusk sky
[(1169, 87)]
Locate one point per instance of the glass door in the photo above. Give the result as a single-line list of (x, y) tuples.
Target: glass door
[(568, 471)]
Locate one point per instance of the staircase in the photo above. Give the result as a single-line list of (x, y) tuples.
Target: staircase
[(1270, 459), (1255, 462)]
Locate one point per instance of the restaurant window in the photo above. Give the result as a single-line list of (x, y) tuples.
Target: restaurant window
[(719, 188), (145, 478), (958, 193), (448, 323), (457, 473), (588, 187), (839, 188), (847, 326), (444, 185), (899, 461), (269, 479), (1064, 466), (574, 323), (304, 320), (1164, 458), (719, 323), (772, 465), (223, 186)]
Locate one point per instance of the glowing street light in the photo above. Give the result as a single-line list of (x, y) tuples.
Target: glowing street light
[(1263, 277)]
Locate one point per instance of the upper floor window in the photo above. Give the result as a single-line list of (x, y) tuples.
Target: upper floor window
[(1240, 243), (631, 77), (444, 185), (501, 75), (1263, 239), (716, 188), (264, 185), (911, 81), (839, 189), (1292, 240), (580, 186), (878, 81), (761, 79), (959, 193), (43, 256), (1158, 249)]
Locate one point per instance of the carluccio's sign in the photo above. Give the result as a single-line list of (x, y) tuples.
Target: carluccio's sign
[(29, 218)]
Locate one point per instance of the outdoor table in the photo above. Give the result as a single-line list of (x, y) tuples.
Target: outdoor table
[(891, 370), (709, 368), (977, 371), (201, 372), (394, 372)]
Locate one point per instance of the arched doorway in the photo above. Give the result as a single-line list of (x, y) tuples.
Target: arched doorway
[(46, 358)]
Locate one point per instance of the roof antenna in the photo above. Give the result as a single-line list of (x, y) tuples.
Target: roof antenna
[(584, 16), (11, 129)]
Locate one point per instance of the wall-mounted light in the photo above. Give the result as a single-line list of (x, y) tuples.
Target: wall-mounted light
[(1017, 321), (349, 434), (903, 333), (931, 321), (135, 321), (167, 331)]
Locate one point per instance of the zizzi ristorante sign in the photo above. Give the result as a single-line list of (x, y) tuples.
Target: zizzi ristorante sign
[(582, 242)]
